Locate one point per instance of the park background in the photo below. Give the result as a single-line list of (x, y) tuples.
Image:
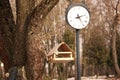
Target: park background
[(29, 29)]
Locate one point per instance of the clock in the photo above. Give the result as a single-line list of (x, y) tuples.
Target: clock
[(77, 16)]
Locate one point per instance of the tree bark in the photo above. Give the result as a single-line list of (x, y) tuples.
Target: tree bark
[(114, 52), (35, 46), (7, 26), (23, 8)]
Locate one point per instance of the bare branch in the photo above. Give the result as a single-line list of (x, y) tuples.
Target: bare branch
[(116, 8)]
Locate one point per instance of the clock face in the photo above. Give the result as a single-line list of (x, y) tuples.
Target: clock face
[(78, 17)]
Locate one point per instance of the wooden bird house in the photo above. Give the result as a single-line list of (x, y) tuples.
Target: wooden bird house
[(61, 53)]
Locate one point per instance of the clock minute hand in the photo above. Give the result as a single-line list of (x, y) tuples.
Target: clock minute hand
[(79, 17)]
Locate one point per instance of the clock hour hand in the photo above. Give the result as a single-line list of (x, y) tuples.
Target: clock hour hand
[(79, 17)]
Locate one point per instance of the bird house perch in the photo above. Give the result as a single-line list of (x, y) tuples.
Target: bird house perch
[(61, 53)]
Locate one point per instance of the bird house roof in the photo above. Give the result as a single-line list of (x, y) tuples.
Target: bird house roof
[(62, 47)]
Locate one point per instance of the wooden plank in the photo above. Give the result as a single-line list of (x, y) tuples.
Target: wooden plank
[(63, 52), (63, 59), (60, 60)]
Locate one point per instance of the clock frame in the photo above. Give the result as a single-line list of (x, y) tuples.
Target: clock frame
[(77, 15)]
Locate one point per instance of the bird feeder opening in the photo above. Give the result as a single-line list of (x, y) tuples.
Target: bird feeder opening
[(61, 53)]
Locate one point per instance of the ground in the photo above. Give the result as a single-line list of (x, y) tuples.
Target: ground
[(94, 78)]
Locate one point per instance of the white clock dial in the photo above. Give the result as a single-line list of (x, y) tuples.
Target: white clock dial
[(78, 17)]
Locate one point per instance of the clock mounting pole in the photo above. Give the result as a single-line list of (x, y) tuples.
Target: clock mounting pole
[(78, 55), (78, 17)]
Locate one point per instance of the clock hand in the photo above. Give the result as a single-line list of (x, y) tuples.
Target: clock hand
[(82, 15), (79, 17)]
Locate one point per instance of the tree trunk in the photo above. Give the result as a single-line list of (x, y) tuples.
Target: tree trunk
[(35, 46), (7, 26), (23, 7), (35, 51), (114, 52)]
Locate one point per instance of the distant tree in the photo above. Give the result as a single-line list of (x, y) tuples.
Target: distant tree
[(69, 37), (105, 15), (118, 47), (114, 38), (96, 49)]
